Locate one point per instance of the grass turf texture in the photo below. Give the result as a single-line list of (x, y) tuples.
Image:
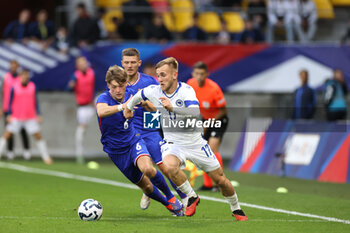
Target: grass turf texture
[(40, 203)]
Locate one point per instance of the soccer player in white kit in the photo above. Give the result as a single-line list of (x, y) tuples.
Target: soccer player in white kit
[(179, 106)]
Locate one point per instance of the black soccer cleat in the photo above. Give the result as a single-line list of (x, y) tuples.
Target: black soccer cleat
[(239, 215), (191, 206)]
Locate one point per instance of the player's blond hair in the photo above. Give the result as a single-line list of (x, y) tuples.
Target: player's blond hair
[(170, 61), (117, 74)]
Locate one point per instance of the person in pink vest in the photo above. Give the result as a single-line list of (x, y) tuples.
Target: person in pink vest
[(24, 112), (10, 79), (83, 84)]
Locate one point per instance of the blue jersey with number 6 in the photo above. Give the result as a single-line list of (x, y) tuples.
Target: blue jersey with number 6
[(117, 133)]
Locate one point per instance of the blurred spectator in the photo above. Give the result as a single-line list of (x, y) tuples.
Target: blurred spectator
[(251, 34), (284, 14), (42, 30), (18, 30), (335, 96), (304, 98), (157, 32), (124, 30), (194, 32), (308, 12), (10, 79), (223, 37), (203, 5), (257, 12), (229, 4), (83, 84), (61, 40), (25, 113), (85, 30), (149, 69), (137, 20), (101, 25), (346, 37)]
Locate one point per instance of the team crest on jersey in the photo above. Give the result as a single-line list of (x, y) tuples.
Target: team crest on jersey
[(179, 103)]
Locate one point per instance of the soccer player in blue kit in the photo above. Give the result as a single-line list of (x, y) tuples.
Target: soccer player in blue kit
[(124, 145), (137, 81)]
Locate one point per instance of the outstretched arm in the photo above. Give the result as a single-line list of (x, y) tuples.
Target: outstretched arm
[(104, 110), (136, 99)]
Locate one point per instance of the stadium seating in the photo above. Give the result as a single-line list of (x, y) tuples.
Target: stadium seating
[(234, 21), (169, 21), (341, 2), (183, 14), (108, 17), (110, 3), (112, 11), (324, 9), (210, 22)]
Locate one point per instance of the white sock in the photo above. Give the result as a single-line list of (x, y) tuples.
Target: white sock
[(43, 149), (2, 145), (79, 135), (10, 155), (187, 189), (233, 201), (26, 154)]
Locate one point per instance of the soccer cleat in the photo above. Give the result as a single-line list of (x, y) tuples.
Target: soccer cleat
[(191, 206), (145, 201), (239, 215), (175, 207)]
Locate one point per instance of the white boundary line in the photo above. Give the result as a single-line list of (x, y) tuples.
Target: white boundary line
[(163, 218), (132, 186)]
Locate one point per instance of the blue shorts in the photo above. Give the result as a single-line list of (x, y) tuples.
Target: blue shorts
[(126, 162), (152, 141)]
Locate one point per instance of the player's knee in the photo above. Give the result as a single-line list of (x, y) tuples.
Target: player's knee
[(149, 171), (220, 180), (173, 170), (164, 170)]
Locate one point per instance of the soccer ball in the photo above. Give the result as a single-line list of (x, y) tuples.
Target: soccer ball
[(90, 210)]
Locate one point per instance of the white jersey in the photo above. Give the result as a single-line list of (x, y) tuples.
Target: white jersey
[(179, 126)]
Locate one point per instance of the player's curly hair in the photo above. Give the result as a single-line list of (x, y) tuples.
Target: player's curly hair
[(116, 73), (170, 61)]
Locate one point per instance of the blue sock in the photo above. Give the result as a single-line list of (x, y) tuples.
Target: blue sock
[(159, 181), (156, 195), (181, 194)]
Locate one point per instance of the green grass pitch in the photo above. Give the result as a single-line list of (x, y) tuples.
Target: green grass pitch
[(41, 203)]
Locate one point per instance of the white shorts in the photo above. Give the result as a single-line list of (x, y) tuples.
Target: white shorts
[(84, 114), (31, 126), (198, 153)]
